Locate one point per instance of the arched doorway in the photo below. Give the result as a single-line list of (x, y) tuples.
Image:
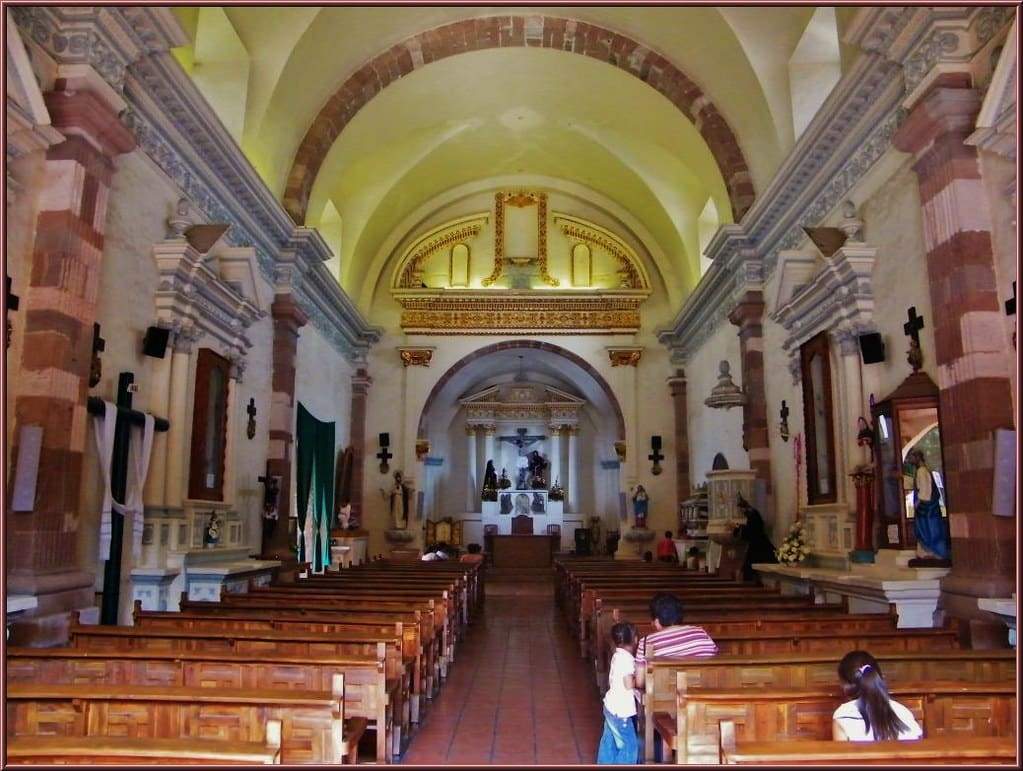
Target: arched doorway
[(523, 392)]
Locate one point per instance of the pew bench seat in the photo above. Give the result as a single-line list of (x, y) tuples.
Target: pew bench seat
[(116, 750), (941, 750)]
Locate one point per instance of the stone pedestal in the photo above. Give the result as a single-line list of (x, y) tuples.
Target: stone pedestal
[(355, 550), (633, 543)]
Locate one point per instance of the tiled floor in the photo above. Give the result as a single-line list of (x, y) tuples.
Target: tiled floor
[(518, 692)]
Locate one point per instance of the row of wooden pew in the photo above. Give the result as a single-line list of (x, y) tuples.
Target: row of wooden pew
[(775, 679), (295, 672)]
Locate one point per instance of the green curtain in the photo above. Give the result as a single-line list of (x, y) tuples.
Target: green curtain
[(315, 475)]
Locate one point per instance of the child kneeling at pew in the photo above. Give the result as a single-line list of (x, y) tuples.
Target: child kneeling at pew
[(871, 715), (619, 744)]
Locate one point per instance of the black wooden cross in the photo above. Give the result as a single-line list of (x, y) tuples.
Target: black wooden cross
[(384, 455), (250, 429), (12, 305), (1010, 304), (913, 326), (656, 456)]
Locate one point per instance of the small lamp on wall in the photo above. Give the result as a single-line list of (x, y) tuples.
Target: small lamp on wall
[(655, 455)]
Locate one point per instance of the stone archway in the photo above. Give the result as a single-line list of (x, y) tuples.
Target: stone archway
[(535, 345), (534, 31)]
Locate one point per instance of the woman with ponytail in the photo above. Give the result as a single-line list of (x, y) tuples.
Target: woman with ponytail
[(871, 715)]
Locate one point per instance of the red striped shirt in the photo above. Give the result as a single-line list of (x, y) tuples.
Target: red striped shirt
[(677, 642)]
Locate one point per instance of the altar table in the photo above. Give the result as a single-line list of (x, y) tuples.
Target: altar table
[(522, 551)]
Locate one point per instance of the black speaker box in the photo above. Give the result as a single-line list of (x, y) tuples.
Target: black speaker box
[(385, 440), (655, 442), (155, 342), (872, 348)]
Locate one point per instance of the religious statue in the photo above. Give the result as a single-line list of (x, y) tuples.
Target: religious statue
[(503, 483), (932, 539), (399, 502), (211, 533), (522, 471), (490, 482), (521, 504), (537, 465), (344, 516), (640, 505)]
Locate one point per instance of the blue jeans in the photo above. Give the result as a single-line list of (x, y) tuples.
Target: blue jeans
[(619, 744)]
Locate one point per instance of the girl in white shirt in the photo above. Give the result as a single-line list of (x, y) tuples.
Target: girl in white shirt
[(619, 744), (872, 715)]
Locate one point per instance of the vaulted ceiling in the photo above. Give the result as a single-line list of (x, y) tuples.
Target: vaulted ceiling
[(358, 154)]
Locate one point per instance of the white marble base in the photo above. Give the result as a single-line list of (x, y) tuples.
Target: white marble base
[(358, 549), (152, 587), (869, 589), (1005, 609)]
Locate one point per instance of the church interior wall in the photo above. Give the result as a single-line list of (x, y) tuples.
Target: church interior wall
[(713, 431)]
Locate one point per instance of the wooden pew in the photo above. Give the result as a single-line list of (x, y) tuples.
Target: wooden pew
[(272, 642), (105, 750), (807, 670), (784, 714), (988, 750), (311, 722), (416, 630), (366, 703)]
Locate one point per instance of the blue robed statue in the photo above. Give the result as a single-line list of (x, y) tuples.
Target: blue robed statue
[(929, 526)]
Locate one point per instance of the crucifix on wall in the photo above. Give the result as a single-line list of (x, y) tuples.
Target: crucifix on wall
[(911, 329), (522, 441), (250, 429)]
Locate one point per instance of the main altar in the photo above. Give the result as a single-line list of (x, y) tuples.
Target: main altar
[(526, 479)]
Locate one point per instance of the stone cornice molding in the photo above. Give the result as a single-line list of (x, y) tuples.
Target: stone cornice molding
[(848, 136), (996, 123), (838, 299), (191, 294), (176, 127)]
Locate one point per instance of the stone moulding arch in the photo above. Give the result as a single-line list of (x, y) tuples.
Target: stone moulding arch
[(535, 345), (550, 32)]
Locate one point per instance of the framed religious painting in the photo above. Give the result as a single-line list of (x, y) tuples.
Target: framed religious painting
[(818, 417)]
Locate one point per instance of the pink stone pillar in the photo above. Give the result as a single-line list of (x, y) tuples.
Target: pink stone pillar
[(288, 318), (677, 384), (59, 308), (748, 315), (972, 351)]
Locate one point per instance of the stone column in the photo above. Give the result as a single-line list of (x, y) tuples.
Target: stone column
[(361, 381), (748, 315), (177, 411), (972, 352), (59, 310), (470, 465), (288, 318), (573, 469), (154, 494), (677, 384), (489, 443), (555, 472), (851, 405)]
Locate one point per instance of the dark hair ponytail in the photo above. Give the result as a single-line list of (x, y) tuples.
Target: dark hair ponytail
[(862, 680)]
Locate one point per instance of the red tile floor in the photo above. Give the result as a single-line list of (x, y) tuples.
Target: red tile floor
[(518, 692)]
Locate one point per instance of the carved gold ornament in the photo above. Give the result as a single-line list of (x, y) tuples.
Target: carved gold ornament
[(630, 268), (416, 357), (448, 313), (624, 357), (463, 230), (519, 200)]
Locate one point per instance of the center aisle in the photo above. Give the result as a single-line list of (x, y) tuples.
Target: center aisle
[(518, 692)]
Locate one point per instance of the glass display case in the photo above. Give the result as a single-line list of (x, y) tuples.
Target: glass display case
[(906, 421)]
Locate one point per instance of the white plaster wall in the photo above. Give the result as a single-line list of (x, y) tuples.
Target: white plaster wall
[(713, 430), (141, 198)]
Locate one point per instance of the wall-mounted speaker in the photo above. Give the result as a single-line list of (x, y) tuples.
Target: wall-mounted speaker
[(655, 442), (385, 440), (155, 342), (872, 348)]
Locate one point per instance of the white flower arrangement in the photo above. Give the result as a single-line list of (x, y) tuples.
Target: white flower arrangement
[(794, 549)]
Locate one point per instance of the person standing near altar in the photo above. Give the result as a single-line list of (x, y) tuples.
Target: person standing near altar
[(930, 528)]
